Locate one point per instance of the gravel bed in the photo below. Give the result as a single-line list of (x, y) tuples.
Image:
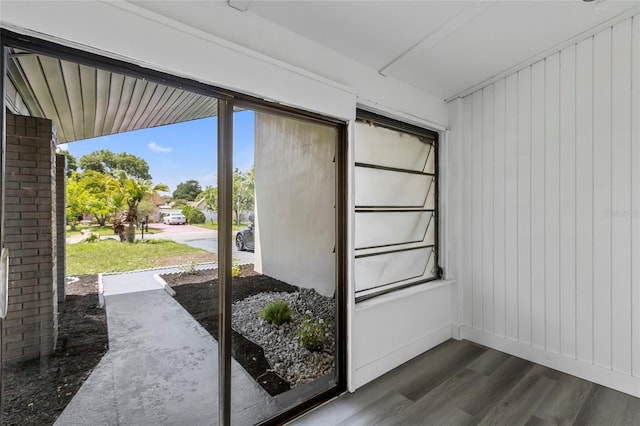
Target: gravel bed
[(282, 350)]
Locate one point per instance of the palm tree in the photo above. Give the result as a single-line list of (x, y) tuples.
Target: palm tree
[(134, 190)]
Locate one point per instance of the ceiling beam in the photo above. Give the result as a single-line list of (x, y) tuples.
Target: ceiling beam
[(469, 13), (241, 5)]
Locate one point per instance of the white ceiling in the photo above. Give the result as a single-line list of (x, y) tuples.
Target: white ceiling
[(442, 47), (449, 45)]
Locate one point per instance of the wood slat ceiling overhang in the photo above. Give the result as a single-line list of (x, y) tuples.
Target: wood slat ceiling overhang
[(85, 102)]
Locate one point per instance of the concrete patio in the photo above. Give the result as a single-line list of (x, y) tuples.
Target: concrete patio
[(161, 367)]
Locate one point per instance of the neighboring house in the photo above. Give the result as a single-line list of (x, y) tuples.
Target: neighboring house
[(157, 202), (208, 214)]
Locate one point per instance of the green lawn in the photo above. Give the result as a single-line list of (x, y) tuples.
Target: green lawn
[(114, 256), (214, 225), (104, 230)]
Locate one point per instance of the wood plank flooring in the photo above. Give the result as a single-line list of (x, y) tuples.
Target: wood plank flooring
[(461, 383)]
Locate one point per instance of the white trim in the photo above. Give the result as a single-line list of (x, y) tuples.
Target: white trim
[(350, 253), (456, 332), (172, 23), (442, 189), (100, 291), (399, 355), (574, 40), (593, 373), (403, 293), (395, 114)]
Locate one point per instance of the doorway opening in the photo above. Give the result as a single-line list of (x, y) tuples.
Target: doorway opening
[(85, 96)]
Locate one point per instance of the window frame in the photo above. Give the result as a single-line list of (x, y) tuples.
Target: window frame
[(424, 134), (227, 100)]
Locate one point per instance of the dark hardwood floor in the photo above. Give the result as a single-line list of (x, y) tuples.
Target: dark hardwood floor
[(461, 383)]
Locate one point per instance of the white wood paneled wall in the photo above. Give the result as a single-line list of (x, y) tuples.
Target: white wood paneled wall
[(551, 217)]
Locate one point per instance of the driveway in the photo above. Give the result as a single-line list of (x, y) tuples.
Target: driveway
[(180, 232), (197, 237)]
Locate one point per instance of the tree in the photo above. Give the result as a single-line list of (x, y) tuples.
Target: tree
[(76, 199), (210, 196), (105, 161), (92, 192), (188, 190), (243, 191), (133, 191), (146, 208), (97, 197)]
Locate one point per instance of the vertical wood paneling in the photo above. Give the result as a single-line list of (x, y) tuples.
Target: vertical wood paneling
[(467, 297), (476, 208), (538, 147), (487, 209), (602, 198), (524, 205), (635, 197), (499, 131), (620, 199), (552, 203), (511, 207), (567, 258), (584, 200), (554, 154)]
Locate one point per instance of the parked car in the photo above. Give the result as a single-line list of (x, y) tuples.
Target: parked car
[(175, 219), (244, 239)]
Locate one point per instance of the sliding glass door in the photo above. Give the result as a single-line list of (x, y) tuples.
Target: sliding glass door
[(264, 334), (284, 287)]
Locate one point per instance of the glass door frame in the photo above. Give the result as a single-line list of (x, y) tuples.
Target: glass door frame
[(227, 101)]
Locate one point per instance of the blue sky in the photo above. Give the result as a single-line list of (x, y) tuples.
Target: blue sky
[(179, 152)]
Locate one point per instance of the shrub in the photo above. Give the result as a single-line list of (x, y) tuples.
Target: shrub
[(236, 272), (196, 217), (189, 268), (193, 215), (312, 335), (93, 237), (277, 312)]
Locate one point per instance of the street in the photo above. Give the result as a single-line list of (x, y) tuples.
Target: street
[(196, 237)]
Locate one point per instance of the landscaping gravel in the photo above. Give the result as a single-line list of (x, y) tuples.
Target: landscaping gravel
[(282, 349)]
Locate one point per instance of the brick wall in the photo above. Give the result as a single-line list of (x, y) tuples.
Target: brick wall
[(61, 223), (30, 328)]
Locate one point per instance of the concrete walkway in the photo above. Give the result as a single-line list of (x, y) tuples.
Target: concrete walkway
[(161, 367)]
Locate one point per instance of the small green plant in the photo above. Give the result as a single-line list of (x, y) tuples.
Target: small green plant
[(235, 271), (312, 335), (189, 268), (277, 312), (92, 238)]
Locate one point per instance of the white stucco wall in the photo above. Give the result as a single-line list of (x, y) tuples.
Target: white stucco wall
[(295, 199), (255, 57)]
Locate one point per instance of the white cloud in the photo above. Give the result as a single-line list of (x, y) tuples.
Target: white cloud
[(63, 147), (157, 148), (209, 179)]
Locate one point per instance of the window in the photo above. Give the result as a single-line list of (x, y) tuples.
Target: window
[(396, 193)]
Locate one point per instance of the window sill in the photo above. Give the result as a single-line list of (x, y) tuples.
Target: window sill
[(402, 294)]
